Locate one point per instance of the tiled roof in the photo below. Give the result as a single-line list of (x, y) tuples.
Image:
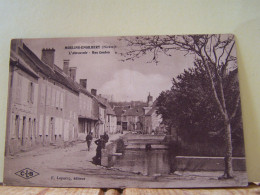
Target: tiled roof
[(151, 111), (135, 111), (54, 74), (118, 110), (103, 101), (59, 76), (83, 90), (110, 111), (19, 62), (129, 111)]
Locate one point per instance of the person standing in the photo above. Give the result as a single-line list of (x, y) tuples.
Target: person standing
[(89, 140), (105, 137), (100, 146)]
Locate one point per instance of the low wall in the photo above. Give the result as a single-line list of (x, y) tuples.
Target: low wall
[(196, 163), (108, 151)]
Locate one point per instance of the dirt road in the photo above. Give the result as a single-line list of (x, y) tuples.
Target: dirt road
[(72, 166)]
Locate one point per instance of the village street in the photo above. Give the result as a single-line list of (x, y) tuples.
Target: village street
[(55, 164), (72, 166)]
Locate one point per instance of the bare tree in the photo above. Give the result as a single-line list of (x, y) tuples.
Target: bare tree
[(214, 53)]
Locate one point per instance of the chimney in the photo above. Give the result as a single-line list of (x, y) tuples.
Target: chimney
[(48, 56), (66, 64), (94, 92), (72, 73), (83, 83)]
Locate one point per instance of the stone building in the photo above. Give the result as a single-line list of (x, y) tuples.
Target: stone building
[(119, 112), (132, 118), (111, 122), (46, 105), (129, 115), (58, 100), (141, 117), (153, 122), (88, 114), (22, 117), (100, 108), (110, 119)]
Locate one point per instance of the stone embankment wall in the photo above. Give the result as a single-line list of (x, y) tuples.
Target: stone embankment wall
[(113, 148), (196, 163)]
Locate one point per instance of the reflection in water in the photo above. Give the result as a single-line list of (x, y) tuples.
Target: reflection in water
[(146, 162)]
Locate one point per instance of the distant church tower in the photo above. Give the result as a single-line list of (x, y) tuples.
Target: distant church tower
[(149, 100)]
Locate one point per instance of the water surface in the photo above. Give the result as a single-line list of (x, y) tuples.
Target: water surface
[(153, 162)]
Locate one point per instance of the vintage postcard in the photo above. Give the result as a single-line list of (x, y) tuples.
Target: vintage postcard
[(117, 112)]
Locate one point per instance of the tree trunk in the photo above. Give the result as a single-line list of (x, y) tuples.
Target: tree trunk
[(228, 173)]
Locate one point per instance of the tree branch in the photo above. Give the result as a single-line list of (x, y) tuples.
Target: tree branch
[(235, 109), (214, 89)]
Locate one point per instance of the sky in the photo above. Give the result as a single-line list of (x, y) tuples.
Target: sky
[(104, 70)]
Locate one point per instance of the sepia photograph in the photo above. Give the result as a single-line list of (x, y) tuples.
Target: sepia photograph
[(120, 112)]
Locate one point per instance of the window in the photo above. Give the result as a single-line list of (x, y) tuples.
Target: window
[(17, 123), (23, 130), (43, 91), (41, 123), (48, 102), (57, 103), (18, 88), (34, 127), (53, 95), (52, 126), (30, 128), (47, 124), (30, 92), (61, 100)]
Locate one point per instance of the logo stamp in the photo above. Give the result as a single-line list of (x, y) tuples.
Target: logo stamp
[(27, 173)]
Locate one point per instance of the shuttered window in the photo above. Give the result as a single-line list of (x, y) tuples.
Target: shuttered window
[(47, 124), (43, 94), (41, 125), (48, 96), (57, 103), (61, 100), (19, 88), (17, 126), (53, 94), (30, 93)]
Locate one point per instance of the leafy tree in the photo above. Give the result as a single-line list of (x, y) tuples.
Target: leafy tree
[(189, 107), (214, 54)]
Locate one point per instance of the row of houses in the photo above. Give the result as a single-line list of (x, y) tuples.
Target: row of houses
[(140, 117), (47, 106)]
